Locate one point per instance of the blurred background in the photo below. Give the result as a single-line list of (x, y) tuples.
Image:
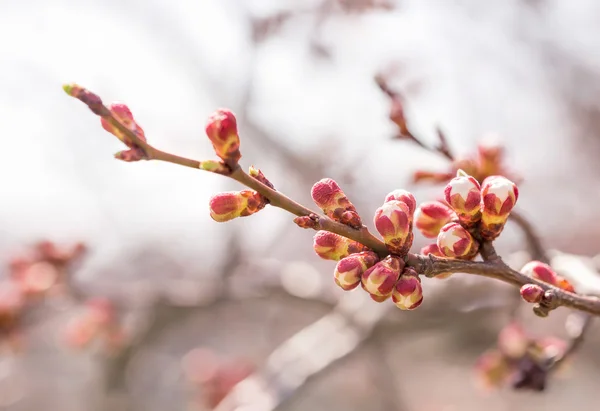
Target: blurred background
[(176, 290)]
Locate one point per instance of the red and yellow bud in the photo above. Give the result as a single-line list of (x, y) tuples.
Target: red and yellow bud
[(349, 270), (379, 280), (394, 222), (543, 272), (498, 198), (431, 216), (122, 113), (433, 249), (307, 221), (330, 246), (330, 198), (463, 194), (455, 241), (492, 370), (221, 129), (405, 196), (532, 293), (232, 204), (408, 293)]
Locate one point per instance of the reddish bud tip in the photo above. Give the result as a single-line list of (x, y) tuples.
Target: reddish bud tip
[(221, 129), (431, 216), (330, 198), (123, 115), (379, 280), (405, 196), (532, 293), (394, 222), (306, 221), (330, 246), (93, 101), (455, 241), (463, 194), (408, 293), (349, 270), (543, 272), (232, 204)]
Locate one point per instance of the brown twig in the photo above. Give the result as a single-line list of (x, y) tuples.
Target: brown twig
[(492, 266), (534, 243)]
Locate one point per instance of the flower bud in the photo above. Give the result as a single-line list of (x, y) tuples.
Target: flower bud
[(394, 222), (328, 195), (331, 246), (232, 204), (543, 272), (532, 293), (221, 129), (122, 113), (349, 270), (307, 221), (93, 101), (408, 293), (492, 370), (406, 197), (498, 197), (433, 249), (455, 241), (131, 155), (463, 194), (379, 280), (431, 216)]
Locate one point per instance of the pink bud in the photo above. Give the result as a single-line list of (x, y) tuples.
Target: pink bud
[(349, 270), (405, 196), (532, 293), (379, 280), (499, 196), (328, 195), (131, 155), (232, 204), (221, 129), (492, 369), (431, 216), (330, 246), (455, 241), (122, 113), (433, 249), (543, 272), (463, 194), (93, 101), (408, 293), (394, 222), (513, 341)]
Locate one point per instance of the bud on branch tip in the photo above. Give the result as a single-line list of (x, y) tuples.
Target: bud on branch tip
[(221, 129)]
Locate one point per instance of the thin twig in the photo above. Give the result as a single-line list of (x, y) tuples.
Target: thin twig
[(534, 243)]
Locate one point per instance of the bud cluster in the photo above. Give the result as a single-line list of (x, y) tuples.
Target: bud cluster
[(518, 360)]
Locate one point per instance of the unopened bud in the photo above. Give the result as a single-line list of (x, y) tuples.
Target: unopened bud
[(408, 293), (405, 196), (349, 270), (455, 241), (394, 222), (379, 280), (543, 272), (131, 155), (257, 174), (532, 293), (221, 129), (499, 196), (93, 101), (431, 216), (232, 204), (307, 221), (463, 194), (330, 198), (122, 113), (331, 246)]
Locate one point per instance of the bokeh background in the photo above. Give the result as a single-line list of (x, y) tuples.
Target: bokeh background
[(300, 77)]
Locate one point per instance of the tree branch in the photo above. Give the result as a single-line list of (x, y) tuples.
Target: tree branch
[(492, 267)]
